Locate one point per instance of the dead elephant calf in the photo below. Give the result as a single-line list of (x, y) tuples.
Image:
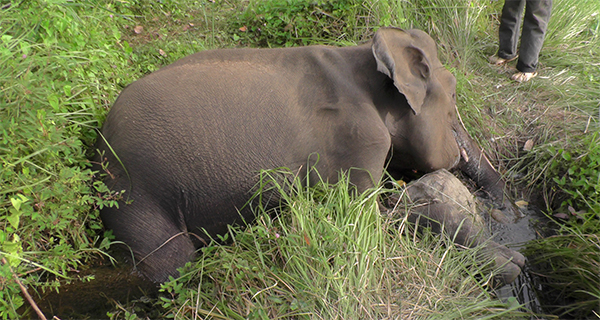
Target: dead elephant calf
[(440, 201)]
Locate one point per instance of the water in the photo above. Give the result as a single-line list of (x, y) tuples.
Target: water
[(515, 236), (92, 299)]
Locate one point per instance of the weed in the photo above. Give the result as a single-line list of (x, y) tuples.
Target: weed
[(284, 23), (581, 181), (58, 74)]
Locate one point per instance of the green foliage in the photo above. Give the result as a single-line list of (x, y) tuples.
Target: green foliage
[(284, 23), (455, 25), (571, 23), (566, 264), (581, 181), (58, 75), (566, 267)]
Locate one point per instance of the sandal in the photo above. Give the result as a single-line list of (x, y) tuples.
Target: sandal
[(497, 61), (523, 76)]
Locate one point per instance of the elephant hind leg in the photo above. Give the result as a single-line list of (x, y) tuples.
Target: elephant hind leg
[(164, 260), (159, 246)]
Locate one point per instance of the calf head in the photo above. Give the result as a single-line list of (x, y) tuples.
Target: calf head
[(423, 134)]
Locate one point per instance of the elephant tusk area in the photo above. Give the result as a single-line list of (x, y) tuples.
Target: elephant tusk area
[(464, 154)]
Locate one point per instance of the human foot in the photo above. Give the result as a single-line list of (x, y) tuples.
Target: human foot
[(497, 61), (523, 76)]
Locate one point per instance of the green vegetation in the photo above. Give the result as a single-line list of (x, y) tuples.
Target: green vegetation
[(63, 63), (569, 263), (332, 256), (61, 67)]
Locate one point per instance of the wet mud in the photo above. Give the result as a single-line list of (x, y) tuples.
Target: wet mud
[(533, 225), (91, 299)]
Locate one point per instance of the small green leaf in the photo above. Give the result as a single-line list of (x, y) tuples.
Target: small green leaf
[(6, 38), (14, 219), (127, 48), (16, 203), (513, 302), (67, 88), (53, 101), (14, 249)]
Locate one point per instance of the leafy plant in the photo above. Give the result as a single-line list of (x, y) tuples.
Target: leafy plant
[(581, 181), (57, 72), (284, 23)]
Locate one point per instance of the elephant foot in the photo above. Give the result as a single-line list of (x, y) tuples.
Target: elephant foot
[(507, 271), (507, 262), (512, 255)]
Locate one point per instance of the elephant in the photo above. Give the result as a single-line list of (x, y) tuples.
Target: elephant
[(186, 142), (441, 202)]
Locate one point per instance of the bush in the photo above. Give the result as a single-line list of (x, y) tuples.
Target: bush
[(58, 72), (285, 23)]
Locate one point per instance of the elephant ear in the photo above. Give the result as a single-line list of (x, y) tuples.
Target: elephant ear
[(404, 62)]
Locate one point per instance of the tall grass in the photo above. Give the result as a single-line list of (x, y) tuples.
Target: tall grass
[(566, 267), (327, 255), (455, 25)]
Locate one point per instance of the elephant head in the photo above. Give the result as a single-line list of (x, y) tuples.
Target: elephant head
[(423, 136), (430, 134)]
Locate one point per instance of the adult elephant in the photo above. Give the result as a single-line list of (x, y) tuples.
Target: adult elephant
[(187, 142)]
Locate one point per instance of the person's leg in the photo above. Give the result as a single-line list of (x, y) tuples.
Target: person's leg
[(508, 32), (537, 15)]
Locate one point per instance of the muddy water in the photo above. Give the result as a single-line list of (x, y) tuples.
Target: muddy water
[(91, 299), (515, 236)]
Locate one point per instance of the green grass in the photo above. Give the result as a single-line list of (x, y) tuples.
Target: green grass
[(62, 64), (569, 263), (331, 256)]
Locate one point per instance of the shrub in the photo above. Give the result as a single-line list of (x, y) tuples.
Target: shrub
[(58, 72), (284, 23)]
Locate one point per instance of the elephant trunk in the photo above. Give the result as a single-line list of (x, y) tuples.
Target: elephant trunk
[(476, 165)]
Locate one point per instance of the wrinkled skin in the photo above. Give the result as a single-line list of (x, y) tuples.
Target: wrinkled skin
[(193, 136), (440, 201)]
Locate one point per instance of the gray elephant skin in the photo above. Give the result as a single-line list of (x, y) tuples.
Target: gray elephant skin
[(187, 142)]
